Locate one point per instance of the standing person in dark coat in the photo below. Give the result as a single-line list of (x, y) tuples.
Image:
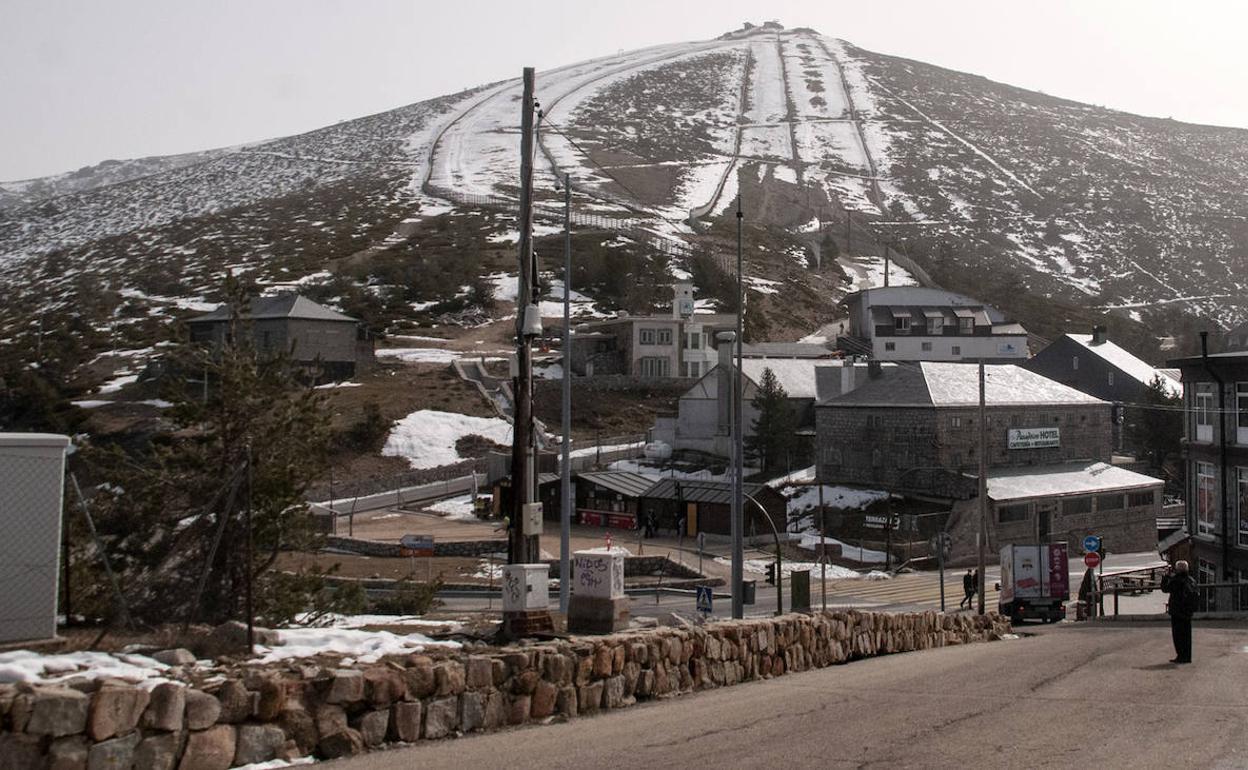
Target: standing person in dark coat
[(1182, 605), (968, 589)]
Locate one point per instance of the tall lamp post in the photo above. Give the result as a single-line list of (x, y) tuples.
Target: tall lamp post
[(565, 464), (738, 445)]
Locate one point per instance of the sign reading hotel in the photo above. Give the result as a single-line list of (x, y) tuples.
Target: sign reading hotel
[(1034, 438)]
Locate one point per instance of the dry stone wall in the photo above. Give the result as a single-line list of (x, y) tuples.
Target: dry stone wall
[(306, 708)]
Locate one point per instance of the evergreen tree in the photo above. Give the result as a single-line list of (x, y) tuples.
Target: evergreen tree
[(772, 440), (175, 515), (1156, 428)]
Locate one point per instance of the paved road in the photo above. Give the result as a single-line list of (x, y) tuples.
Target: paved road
[(1071, 694)]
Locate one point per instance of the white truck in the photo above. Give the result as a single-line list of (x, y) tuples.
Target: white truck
[(1035, 582)]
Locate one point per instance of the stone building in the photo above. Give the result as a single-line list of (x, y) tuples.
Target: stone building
[(913, 429), (313, 335), (1215, 397), (914, 323)]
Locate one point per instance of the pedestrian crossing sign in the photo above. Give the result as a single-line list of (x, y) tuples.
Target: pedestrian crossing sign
[(704, 599)]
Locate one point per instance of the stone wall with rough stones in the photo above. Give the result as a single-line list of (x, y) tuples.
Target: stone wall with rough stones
[(302, 707)]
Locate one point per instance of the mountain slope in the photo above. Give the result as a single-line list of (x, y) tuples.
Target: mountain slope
[(829, 147)]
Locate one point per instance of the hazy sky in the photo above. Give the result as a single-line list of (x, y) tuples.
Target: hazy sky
[(86, 80)]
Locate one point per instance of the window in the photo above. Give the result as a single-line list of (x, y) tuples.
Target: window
[(1109, 502), (955, 422), (648, 336), (1206, 498), (902, 324), (875, 421), (890, 346), (1241, 506), (957, 350), (1140, 499), (1076, 505), (935, 326), (665, 336), (927, 347), (1074, 363), (1010, 513), (1204, 411), (966, 325), (1110, 377), (695, 341), (655, 367)]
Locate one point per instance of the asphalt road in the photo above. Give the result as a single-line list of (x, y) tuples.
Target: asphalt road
[(1096, 696)]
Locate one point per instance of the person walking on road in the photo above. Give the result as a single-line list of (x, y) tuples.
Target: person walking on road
[(1182, 605), (968, 590)]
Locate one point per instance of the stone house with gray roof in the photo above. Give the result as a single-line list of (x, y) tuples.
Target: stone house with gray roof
[(914, 429), (315, 337)]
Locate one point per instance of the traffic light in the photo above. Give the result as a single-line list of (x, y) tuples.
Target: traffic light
[(771, 573)]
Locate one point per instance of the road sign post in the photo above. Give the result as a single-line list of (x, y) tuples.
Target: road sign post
[(1092, 559), (1091, 543), (705, 599)]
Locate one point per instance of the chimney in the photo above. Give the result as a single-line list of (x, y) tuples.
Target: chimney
[(724, 379), (1098, 335)]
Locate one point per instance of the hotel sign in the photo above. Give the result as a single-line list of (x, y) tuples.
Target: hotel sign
[(1034, 438)]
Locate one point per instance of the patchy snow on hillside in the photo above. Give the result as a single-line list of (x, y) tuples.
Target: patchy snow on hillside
[(426, 438)]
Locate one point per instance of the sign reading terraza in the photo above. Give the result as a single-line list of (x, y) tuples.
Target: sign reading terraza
[(1034, 438)]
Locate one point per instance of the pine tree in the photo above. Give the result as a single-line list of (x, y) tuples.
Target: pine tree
[(173, 516), (1157, 428), (772, 438)]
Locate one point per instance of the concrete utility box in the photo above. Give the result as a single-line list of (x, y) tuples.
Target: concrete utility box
[(525, 587), (598, 604), (32, 479)]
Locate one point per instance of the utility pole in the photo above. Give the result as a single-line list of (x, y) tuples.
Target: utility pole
[(983, 485), (738, 445), (849, 234), (886, 255), (565, 464), (523, 548)]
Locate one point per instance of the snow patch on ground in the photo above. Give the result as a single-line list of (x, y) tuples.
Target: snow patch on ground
[(426, 438), (30, 666), (363, 646), (460, 507)]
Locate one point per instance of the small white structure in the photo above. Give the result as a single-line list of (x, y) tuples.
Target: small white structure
[(525, 587), (598, 604), (32, 479)]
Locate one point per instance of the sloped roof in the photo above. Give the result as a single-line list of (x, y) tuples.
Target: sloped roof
[(787, 350), (1077, 478), (935, 383), (1125, 362), (279, 306), (699, 491), (624, 482), (795, 375)]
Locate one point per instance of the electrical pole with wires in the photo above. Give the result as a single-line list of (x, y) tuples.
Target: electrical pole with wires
[(522, 546)]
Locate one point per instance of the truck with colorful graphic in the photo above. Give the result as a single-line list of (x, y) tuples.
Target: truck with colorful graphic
[(1035, 582)]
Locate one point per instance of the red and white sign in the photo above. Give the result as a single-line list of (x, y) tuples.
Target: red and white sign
[(1092, 559)]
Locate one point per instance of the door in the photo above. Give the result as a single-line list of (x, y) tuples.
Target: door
[(1044, 521), (691, 519)]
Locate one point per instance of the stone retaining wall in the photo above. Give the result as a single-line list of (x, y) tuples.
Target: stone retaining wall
[(393, 550), (299, 708)]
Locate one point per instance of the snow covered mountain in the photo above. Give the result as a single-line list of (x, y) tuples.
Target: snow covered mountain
[(978, 185)]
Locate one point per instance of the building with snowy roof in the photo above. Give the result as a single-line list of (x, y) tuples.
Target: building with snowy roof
[(916, 323), (702, 420), (314, 336), (1093, 364), (914, 429)]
